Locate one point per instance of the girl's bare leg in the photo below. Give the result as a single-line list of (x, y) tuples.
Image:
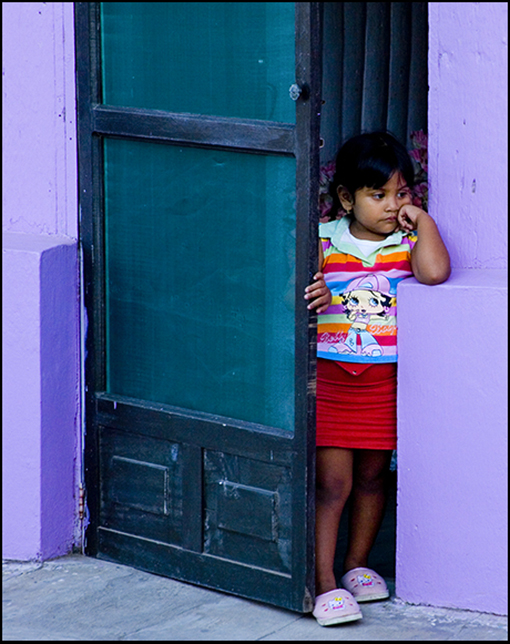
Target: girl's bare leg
[(334, 482), (369, 493)]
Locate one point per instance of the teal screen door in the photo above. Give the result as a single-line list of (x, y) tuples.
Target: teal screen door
[(197, 171), (199, 257)]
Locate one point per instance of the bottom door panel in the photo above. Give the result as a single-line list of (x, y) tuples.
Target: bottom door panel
[(201, 514), (248, 511)]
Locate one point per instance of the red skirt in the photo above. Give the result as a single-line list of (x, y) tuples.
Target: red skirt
[(356, 411)]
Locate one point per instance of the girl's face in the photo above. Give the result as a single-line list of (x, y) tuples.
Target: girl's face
[(375, 209)]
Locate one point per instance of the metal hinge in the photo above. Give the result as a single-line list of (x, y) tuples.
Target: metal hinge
[(81, 502)]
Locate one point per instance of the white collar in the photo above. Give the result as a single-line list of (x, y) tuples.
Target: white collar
[(338, 228)]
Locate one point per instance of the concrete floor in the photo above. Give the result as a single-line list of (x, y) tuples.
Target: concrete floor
[(81, 598)]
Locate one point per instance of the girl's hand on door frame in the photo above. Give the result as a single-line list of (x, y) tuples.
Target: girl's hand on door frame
[(318, 293)]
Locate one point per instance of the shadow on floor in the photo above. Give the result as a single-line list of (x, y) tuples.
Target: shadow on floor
[(382, 557)]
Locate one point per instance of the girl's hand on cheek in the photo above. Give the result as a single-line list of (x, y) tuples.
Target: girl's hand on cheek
[(408, 217)]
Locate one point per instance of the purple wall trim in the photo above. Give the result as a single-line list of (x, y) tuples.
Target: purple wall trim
[(41, 428), (60, 396), (21, 410), (40, 395), (452, 402), (452, 442)]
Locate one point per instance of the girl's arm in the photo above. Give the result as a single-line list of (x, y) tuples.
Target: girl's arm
[(318, 292), (430, 260)]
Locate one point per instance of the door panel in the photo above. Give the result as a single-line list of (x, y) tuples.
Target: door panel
[(199, 235), (248, 515), (143, 486), (223, 58), (200, 255)]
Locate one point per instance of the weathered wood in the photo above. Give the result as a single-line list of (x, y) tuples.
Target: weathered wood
[(265, 137), (195, 428)]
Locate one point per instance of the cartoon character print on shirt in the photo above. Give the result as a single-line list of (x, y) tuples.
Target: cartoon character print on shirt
[(364, 298)]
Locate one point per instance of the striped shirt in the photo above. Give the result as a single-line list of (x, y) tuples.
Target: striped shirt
[(360, 325)]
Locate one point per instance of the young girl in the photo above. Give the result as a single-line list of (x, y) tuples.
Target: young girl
[(362, 257)]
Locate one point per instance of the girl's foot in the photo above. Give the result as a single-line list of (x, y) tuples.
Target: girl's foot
[(365, 585), (336, 607)]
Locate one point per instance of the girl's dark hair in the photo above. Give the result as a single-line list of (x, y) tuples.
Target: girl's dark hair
[(368, 161)]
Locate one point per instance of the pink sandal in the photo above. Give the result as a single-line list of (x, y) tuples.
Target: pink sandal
[(365, 585), (336, 607)]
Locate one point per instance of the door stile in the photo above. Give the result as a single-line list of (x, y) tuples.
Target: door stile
[(308, 79), (90, 201)]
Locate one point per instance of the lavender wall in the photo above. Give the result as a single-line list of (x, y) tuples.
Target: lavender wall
[(451, 533), (41, 415), (452, 405), (468, 129), (39, 193)]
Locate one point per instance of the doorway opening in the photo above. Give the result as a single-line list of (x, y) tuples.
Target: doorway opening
[(374, 77)]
